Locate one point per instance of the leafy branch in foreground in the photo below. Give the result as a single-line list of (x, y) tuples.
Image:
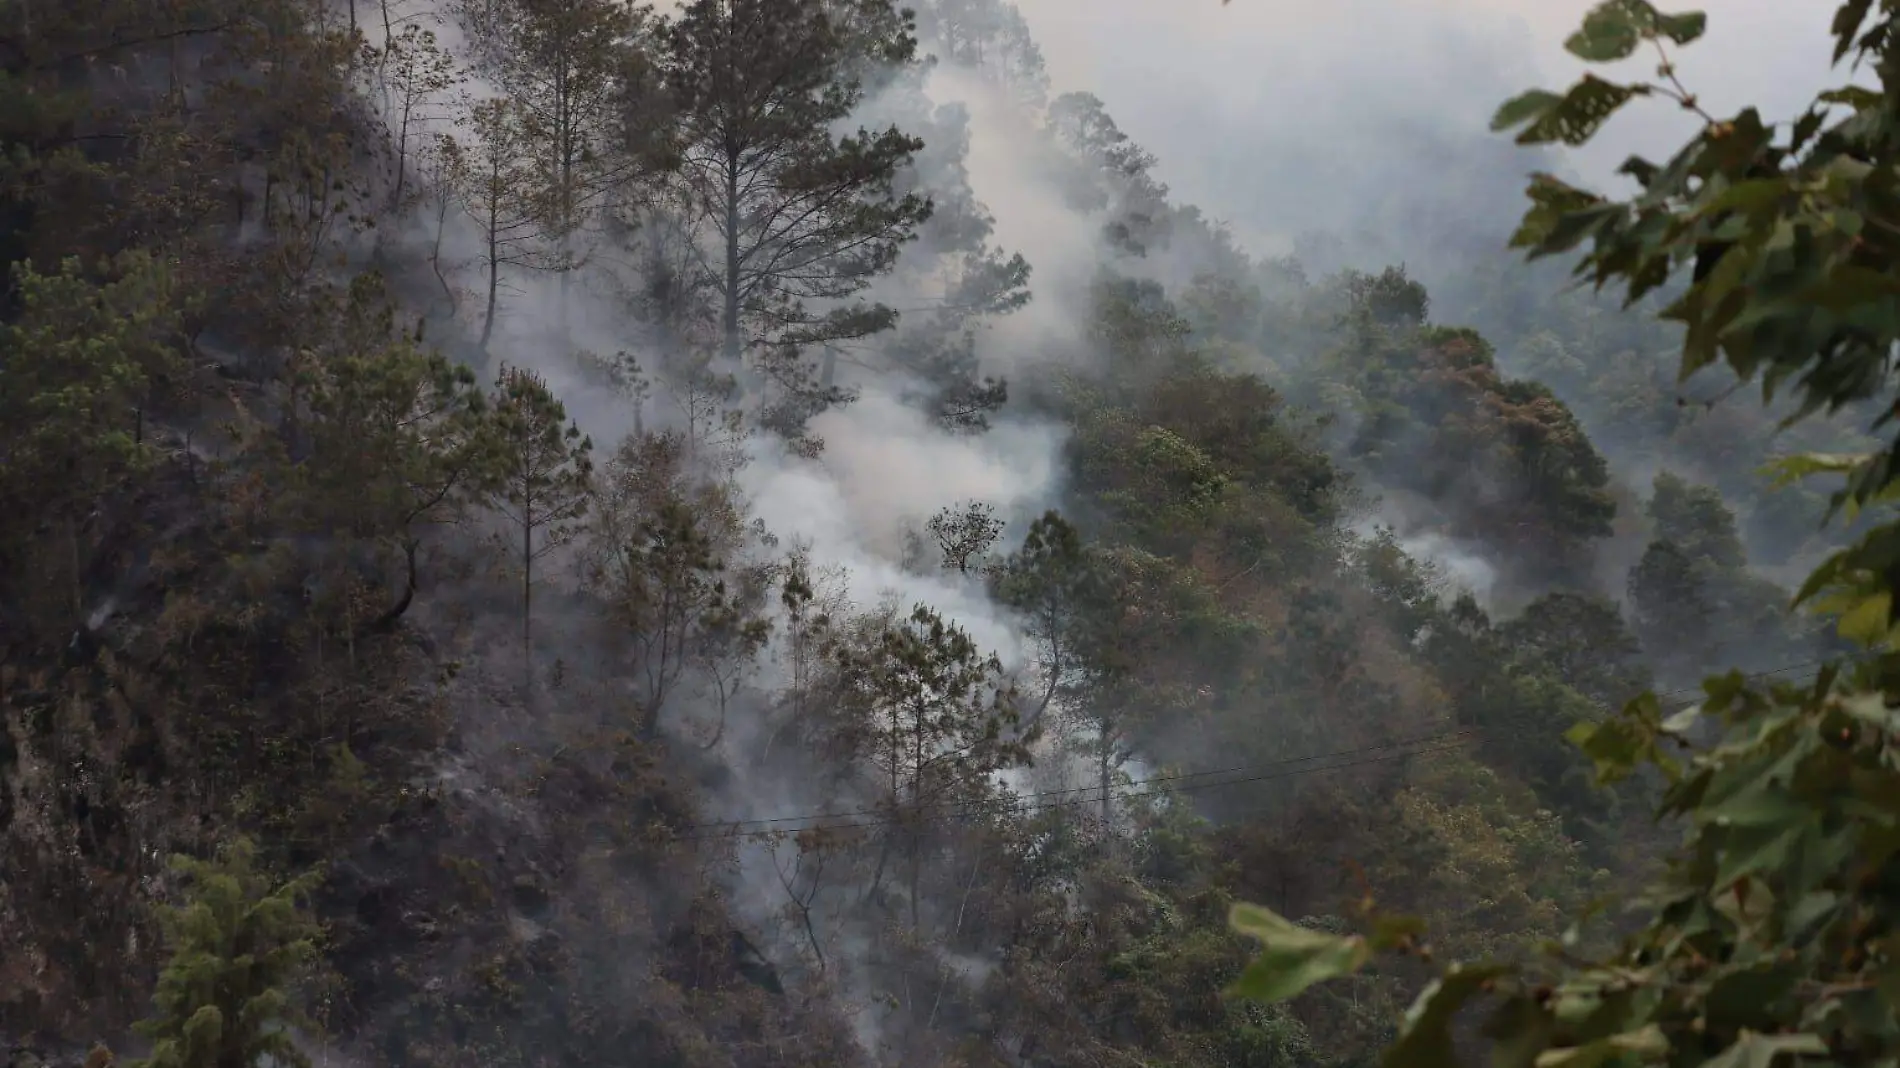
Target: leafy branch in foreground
[(1772, 935), (1789, 234), (1773, 931)]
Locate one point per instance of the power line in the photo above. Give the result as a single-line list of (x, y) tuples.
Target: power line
[(1096, 790), (1755, 675), (1093, 794), (1454, 740)]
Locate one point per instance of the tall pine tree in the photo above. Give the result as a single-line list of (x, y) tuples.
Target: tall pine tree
[(795, 221)]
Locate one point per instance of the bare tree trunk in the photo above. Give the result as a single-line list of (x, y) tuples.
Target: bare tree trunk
[(402, 153), (916, 871), (72, 545), (494, 277), (733, 348), (527, 603), (435, 253)]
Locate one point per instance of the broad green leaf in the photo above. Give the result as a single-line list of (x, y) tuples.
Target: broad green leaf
[(1425, 1032), (1852, 96), (1520, 1030), (1293, 958), (1523, 108), (1753, 1050), (1750, 196), (1787, 470), (1846, 26), (1868, 621), (1648, 1041), (1611, 31), (1753, 851), (1756, 808), (1849, 287), (1389, 932), (1682, 28), (1583, 111)]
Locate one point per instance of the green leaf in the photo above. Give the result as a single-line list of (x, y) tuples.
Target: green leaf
[(1425, 1033), (1581, 113), (1787, 470), (1846, 27), (1684, 28), (1750, 196), (1294, 957), (1647, 1041), (1611, 31), (1759, 1051), (1868, 620), (1520, 1030), (1852, 96), (1523, 108), (1756, 808), (1751, 851), (1391, 931), (1738, 995)]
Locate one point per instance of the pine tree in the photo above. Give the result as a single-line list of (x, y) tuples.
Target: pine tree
[(416, 71), (237, 943), (936, 717), (545, 477), (660, 548), (794, 213), (571, 70), (1058, 586), (77, 369), (497, 188), (399, 441)]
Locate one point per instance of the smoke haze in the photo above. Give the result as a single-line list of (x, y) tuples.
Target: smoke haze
[(1281, 117)]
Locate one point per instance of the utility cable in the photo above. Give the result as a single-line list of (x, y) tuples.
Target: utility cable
[(766, 827), (1123, 792)]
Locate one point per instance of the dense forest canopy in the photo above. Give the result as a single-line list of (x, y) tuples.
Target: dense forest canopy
[(569, 531)]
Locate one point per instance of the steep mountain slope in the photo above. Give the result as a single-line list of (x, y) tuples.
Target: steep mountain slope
[(701, 583)]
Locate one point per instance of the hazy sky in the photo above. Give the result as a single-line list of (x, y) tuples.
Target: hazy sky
[(1268, 110)]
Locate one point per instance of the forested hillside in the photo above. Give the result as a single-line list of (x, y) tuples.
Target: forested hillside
[(564, 532)]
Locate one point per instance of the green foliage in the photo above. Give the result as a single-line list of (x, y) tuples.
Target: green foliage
[(1059, 584), (937, 708), (1769, 935), (1695, 604), (1507, 461), (802, 214), (77, 369), (1201, 605), (1584, 641), (543, 475), (1294, 957), (660, 549), (1694, 519), (396, 438), (1783, 227), (238, 943)]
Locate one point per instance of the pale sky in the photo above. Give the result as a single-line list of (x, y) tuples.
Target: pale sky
[(1240, 101)]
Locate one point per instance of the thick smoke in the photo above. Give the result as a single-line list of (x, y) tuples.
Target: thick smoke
[(1281, 119), (1303, 115)]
